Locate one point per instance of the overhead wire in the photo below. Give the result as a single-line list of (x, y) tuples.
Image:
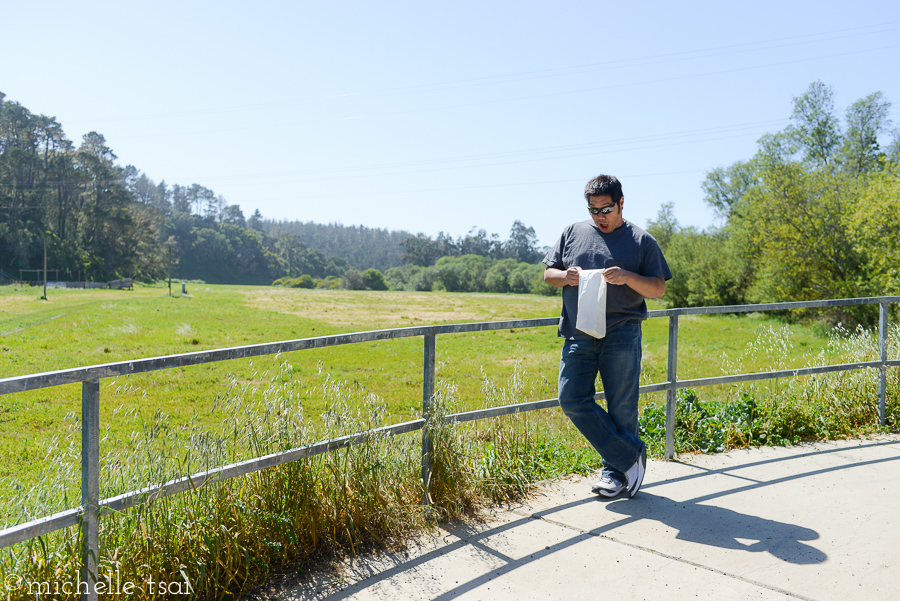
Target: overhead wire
[(281, 125), (513, 157), (482, 160), (715, 51)]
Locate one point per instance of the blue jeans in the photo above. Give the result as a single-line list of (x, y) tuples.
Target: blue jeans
[(617, 358)]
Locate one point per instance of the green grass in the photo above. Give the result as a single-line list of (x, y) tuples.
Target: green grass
[(88, 327), (224, 538)]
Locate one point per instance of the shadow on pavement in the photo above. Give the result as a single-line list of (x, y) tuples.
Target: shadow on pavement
[(694, 520), (724, 528)]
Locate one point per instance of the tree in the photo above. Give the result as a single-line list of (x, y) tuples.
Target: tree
[(105, 223), (867, 118), (816, 127), (708, 268), (304, 281), (445, 246), (24, 192), (233, 215), (794, 213), (288, 245), (892, 152), (141, 187), (229, 254), (462, 274), (360, 246), (497, 277), (478, 243), (163, 198), (522, 278), (373, 279), (724, 187), (419, 250), (665, 226), (180, 201), (203, 200), (522, 244), (255, 221), (353, 280), (873, 229)]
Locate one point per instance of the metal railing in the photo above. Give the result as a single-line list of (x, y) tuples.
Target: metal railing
[(92, 507)]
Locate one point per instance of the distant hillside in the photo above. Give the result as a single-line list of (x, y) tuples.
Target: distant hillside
[(360, 246)]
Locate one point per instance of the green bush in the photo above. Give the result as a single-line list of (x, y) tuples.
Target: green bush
[(304, 281), (781, 412), (373, 279), (353, 280), (331, 282)]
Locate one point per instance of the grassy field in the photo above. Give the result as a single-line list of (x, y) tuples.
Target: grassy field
[(226, 538), (87, 327)]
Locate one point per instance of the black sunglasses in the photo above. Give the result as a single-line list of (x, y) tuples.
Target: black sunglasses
[(604, 210)]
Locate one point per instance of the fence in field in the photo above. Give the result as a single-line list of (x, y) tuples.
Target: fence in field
[(120, 284), (92, 507)]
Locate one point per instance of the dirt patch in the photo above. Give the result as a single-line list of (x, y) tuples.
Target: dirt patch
[(17, 304), (372, 310)]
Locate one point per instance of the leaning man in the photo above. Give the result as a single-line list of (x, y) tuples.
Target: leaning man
[(634, 268)]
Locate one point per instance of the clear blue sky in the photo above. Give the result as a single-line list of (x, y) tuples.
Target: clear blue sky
[(431, 117)]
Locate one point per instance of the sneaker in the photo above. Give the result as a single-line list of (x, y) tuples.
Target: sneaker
[(608, 486), (635, 474)]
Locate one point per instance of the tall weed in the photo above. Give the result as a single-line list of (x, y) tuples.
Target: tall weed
[(785, 410), (222, 539)]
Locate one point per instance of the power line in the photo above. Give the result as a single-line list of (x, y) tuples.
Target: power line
[(588, 148), (715, 51), (281, 125)]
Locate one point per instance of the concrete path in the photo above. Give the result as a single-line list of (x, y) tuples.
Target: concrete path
[(816, 521)]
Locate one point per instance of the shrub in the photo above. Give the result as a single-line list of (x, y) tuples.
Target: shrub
[(353, 280), (787, 411), (329, 283), (497, 277), (373, 279), (304, 281), (521, 279)]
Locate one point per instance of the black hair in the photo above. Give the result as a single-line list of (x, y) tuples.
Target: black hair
[(604, 185)]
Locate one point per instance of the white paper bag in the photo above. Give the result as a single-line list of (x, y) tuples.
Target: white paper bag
[(591, 303)]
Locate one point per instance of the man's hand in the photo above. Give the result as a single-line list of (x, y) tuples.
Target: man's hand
[(649, 287), (559, 278), (616, 275), (573, 276)]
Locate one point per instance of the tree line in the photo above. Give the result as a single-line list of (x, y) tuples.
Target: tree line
[(476, 262), (521, 246), (362, 247), (382, 249), (99, 221), (814, 214)]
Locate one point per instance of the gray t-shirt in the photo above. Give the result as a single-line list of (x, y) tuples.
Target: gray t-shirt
[(629, 247)]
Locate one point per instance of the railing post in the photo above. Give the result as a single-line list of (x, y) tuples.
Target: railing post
[(882, 370), (90, 489), (427, 396), (672, 390)]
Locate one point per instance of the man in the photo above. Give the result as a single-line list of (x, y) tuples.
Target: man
[(634, 268)]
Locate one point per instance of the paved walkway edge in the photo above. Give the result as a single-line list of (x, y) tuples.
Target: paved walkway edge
[(813, 521)]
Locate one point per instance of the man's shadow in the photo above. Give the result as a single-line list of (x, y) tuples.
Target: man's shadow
[(724, 528)]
